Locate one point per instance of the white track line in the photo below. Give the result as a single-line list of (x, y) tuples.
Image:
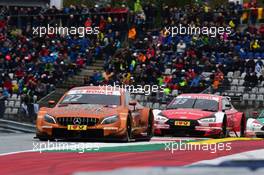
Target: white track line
[(16, 152), (248, 155), (72, 145)]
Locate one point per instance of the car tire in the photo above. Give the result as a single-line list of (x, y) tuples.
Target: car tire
[(150, 126), (128, 130), (259, 135), (224, 128), (242, 127), (224, 132), (43, 139), (161, 134)]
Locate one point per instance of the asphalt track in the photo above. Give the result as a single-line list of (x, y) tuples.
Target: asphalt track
[(21, 154)]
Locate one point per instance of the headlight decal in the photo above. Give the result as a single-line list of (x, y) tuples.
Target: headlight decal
[(110, 119), (160, 118), (50, 119), (210, 119)]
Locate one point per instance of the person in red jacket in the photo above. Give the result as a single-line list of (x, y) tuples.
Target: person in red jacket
[(2, 24), (102, 23), (19, 73), (88, 22), (8, 85), (261, 30)]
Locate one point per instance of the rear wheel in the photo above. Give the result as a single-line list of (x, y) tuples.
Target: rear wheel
[(128, 130), (259, 135), (150, 126), (242, 127), (224, 129)]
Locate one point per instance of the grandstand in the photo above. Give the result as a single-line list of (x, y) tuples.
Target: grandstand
[(130, 49)]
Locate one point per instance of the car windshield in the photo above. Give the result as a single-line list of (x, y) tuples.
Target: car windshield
[(101, 99), (195, 103)]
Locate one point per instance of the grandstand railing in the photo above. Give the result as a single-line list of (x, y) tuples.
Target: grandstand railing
[(44, 99)]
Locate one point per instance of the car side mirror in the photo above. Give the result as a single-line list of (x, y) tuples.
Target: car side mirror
[(226, 107), (51, 103), (133, 103)]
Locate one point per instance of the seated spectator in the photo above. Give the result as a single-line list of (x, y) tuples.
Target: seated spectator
[(181, 46), (247, 80), (40, 89), (261, 30), (107, 76), (195, 83), (8, 84), (253, 80), (225, 84)]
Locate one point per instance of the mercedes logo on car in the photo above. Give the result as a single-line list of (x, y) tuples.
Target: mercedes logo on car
[(77, 121)]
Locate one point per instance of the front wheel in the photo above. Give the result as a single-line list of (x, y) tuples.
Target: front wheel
[(43, 138), (259, 135), (224, 132)]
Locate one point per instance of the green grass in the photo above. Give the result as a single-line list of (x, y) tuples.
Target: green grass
[(128, 148)]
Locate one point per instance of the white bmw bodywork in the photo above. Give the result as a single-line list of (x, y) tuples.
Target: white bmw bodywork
[(254, 126)]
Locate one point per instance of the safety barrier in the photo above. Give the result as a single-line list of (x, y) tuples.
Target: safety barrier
[(16, 126)]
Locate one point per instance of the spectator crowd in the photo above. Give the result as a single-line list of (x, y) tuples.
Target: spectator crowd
[(32, 66), (136, 50), (179, 62)]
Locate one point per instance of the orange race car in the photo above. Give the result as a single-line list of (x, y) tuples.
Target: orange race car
[(95, 112)]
